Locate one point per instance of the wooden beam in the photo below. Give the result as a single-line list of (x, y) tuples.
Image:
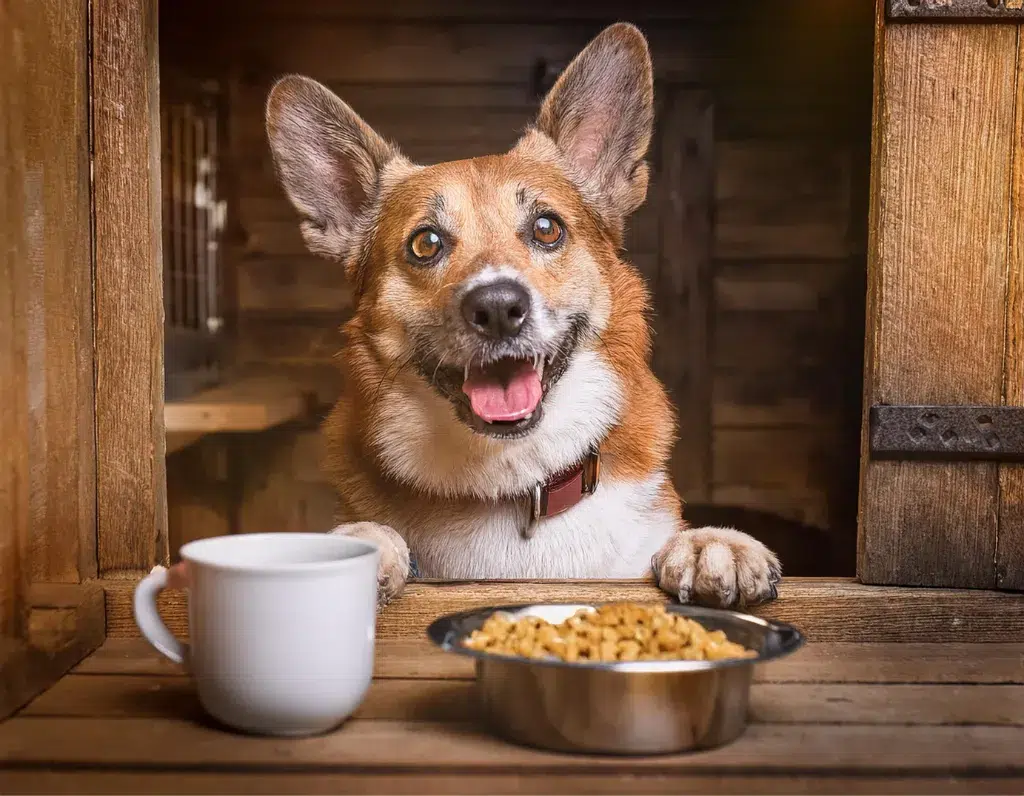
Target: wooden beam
[(131, 488), (62, 488), (830, 610), (48, 621), (382, 747), (948, 663)]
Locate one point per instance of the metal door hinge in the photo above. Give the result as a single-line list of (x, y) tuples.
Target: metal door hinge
[(947, 433), (960, 10)]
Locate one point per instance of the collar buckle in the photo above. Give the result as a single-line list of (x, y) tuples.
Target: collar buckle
[(564, 491)]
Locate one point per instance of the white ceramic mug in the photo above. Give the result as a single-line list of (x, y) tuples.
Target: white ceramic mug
[(281, 628)]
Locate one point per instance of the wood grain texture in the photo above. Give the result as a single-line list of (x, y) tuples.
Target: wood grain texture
[(14, 453), (683, 299), (826, 610), (58, 301), (131, 489), (47, 467), (1009, 567), (679, 780), (380, 746), (831, 718), (937, 285), (447, 700), (919, 663)]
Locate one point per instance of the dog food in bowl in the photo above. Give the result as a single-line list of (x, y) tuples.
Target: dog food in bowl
[(613, 632)]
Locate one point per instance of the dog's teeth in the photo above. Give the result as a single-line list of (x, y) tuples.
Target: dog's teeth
[(540, 368), (466, 376), (527, 417)]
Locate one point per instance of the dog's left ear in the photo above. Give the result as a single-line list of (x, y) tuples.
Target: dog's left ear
[(599, 114)]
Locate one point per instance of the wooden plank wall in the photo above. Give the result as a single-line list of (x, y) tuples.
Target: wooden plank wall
[(790, 90)]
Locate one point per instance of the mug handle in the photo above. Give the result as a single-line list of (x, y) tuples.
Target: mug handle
[(147, 617)]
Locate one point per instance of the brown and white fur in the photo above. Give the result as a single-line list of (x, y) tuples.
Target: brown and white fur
[(413, 466)]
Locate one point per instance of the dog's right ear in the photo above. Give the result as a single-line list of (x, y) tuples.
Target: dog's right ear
[(600, 112), (328, 160)]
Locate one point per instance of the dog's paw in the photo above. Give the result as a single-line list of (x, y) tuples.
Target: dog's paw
[(393, 570), (720, 567)]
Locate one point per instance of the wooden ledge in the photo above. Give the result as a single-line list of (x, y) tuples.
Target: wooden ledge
[(827, 610), (250, 404)]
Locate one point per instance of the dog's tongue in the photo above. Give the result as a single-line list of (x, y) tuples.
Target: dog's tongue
[(504, 394)]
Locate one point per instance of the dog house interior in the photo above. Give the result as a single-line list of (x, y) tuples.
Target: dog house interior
[(752, 240)]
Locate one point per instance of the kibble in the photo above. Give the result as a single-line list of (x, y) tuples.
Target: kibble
[(612, 632)]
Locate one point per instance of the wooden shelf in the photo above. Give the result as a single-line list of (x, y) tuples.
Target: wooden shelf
[(246, 405), (827, 609)]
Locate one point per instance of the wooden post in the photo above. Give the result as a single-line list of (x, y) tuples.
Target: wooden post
[(49, 618), (131, 485), (945, 152)]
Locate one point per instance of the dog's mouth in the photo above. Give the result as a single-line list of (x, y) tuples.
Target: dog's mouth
[(502, 396), (506, 394)]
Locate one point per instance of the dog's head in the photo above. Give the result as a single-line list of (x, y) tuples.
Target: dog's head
[(486, 277)]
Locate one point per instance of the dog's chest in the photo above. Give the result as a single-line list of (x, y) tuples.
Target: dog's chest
[(610, 534)]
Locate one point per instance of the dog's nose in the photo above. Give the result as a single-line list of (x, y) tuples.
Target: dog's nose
[(498, 309)]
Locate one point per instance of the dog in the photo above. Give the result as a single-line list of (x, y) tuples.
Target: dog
[(500, 417)]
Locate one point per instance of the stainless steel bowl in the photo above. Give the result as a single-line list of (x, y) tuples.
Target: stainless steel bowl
[(634, 708)]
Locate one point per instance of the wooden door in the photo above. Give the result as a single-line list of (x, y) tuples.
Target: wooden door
[(942, 484), (81, 413)]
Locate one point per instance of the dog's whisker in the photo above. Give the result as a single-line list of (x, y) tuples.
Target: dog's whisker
[(398, 366), (433, 376)]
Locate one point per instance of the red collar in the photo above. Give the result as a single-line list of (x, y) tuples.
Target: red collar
[(564, 490)]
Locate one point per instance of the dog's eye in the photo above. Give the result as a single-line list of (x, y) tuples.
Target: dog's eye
[(547, 231), (425, 245)]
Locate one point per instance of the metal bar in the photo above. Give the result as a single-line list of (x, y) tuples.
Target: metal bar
[(188, 127), (956, 10), (947, 433), (202, 215), (212, 245)]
